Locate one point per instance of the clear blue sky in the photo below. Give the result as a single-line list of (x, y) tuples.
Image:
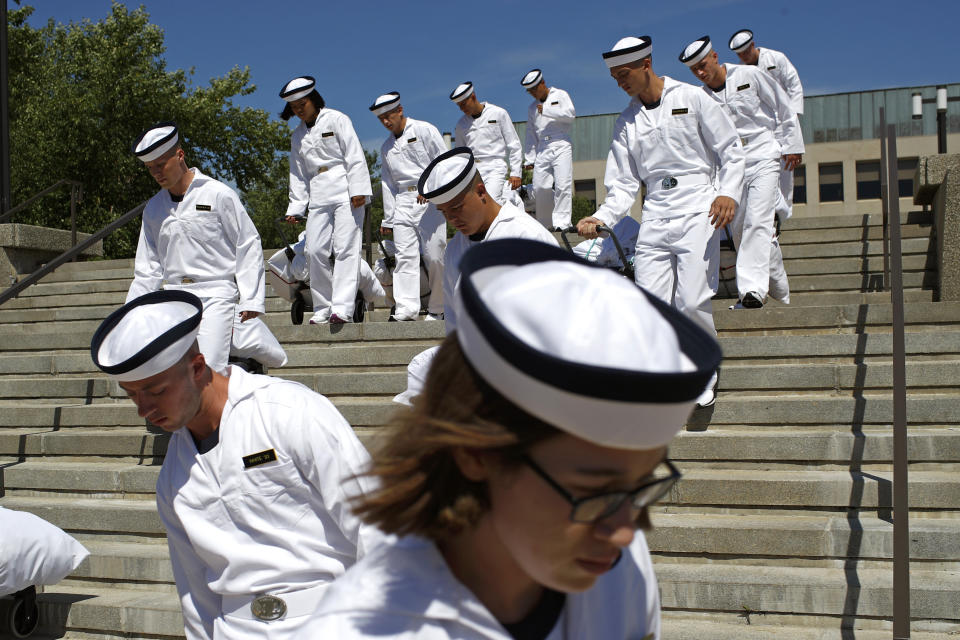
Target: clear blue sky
[(360, 49)]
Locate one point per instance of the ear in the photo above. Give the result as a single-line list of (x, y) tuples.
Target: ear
[(480, 189), (198, 366), (475, 464)]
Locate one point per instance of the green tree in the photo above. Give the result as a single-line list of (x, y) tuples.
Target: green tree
[(80, 93)]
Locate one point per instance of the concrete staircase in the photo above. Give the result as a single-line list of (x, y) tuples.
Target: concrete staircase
[(780, 528)]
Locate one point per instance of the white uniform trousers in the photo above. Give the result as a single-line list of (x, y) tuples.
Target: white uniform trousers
[(678, 260), (752, 227), (429, 239), (253, 339), (333, 228), (494, 175), (216, 325), (779, 285), (786, 190), (553, 184)]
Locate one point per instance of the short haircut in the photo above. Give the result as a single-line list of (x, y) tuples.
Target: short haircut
[(421, 490), (315, 98)]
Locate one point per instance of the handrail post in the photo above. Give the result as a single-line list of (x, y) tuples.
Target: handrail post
[(901, 505), (73, 215)]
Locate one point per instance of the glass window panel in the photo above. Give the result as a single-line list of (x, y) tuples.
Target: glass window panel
[(906, 167), (831, 182), (868, 179), (800, 185)]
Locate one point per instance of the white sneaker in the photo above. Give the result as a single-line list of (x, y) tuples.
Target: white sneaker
[(709, 395), (431, 317)]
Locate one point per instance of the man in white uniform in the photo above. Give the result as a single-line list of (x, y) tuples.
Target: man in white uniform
[(329, 184), (254, 487), (549, 151), (197, 236), (416, 226), (768, 130), (675, 140), (453, 182), (488, 130), (779, 66)]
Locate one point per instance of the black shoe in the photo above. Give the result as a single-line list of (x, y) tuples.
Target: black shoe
[(751, 301)]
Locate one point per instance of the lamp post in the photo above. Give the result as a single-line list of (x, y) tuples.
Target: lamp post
[(941, 101)]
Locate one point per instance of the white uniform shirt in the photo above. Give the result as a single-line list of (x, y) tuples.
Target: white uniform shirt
[(272, 528), (511, 222), (686, 135), (780, 67), (327, 165), (207, 237), (405, 591), (491, 136), (553, 124), (403, 159), (761, 112)]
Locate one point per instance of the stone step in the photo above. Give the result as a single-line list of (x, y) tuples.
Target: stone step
[(860, 282), (754, 488), (97, 515), (827, 266), (754, 625), (847, 317), (798, 590), (114, 612), (834, 444), (791, 237), (917, 216), (376, 356), (843, 347), (735, 376), (823, 445), (112, 561), (857, 249), (820, 538), (731, 409)]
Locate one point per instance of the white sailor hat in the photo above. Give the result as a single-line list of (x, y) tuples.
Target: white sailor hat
[(148, 335), (297, 88), (532, 79), (462, 92), (630, 385), (447, 175), (741, 40), (696, 51), (628, 50), (386, 102), (156, 141)]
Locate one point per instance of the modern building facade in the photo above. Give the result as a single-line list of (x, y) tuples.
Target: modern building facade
[(841, 169)]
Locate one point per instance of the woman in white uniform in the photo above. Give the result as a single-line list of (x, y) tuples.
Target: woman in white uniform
[(517, 496), (329, 185)]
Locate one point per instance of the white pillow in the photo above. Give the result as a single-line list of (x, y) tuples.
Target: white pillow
[(34, 552)]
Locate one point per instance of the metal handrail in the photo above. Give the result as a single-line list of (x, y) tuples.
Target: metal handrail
[(71, 253), (901, 504), (26, 203)]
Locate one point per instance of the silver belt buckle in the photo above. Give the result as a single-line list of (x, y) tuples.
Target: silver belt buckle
[(268, 608), (668, 183)]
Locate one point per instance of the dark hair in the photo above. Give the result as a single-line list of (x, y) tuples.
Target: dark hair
[(315, 98), (420, 489)]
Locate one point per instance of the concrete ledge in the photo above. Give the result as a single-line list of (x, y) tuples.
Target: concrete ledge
[(24, 247), (937, 183)]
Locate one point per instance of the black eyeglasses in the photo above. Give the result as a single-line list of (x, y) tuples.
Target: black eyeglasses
[(595, 508)]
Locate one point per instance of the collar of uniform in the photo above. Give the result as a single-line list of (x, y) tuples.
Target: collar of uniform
[(198, 179), (483, 109), (241, 384), (406, 128)]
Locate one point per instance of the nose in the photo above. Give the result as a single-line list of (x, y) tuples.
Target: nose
[(618, 528)]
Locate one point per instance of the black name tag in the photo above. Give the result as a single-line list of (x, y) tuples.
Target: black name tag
[(679, 112), (204, 207), (409, 140), (771, 68), (256, 459), (557, 102), (328, 134), (743, 86), (491, 122)]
